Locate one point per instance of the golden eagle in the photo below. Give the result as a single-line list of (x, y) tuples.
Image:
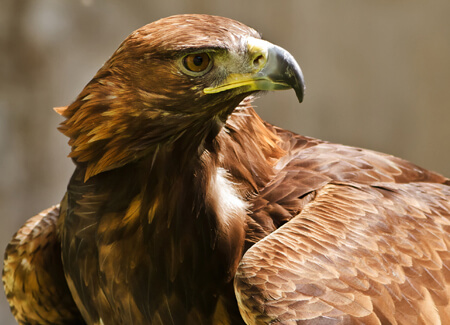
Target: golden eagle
[(186, 208)]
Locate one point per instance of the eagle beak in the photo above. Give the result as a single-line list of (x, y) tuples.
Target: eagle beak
[(272, 68)]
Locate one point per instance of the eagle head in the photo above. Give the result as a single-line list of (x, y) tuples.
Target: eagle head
[(176, 79)]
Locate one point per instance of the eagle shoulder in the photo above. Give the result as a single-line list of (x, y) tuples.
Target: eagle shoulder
[(33, 276)]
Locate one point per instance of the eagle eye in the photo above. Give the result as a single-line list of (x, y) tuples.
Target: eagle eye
[(197, 63)]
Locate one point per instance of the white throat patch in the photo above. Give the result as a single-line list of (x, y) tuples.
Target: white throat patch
[(225, 200)]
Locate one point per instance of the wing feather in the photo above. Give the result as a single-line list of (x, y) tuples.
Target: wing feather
[(355, 254), (33, 276)]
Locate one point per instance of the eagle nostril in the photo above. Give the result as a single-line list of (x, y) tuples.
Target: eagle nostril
[(258, 61)]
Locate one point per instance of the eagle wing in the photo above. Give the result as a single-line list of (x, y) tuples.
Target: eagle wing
[(33, 277), (369, 244)]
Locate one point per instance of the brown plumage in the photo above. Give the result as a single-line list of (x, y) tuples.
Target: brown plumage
[(186, 208), (33, 276)]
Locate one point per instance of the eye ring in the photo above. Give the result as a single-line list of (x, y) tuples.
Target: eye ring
[(197, 63)]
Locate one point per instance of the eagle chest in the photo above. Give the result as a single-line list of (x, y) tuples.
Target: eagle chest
[(153, 257)]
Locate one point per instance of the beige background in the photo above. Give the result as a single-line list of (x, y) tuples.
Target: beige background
[(377, 75)]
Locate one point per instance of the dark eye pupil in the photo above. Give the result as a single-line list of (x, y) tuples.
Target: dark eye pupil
[(198, 60)]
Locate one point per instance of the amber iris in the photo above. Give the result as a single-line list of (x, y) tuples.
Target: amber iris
[(196, 62)]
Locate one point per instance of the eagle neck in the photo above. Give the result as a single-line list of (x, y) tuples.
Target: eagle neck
[(192, 213)]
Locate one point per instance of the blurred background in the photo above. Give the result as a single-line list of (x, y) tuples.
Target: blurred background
[(377, 76)]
